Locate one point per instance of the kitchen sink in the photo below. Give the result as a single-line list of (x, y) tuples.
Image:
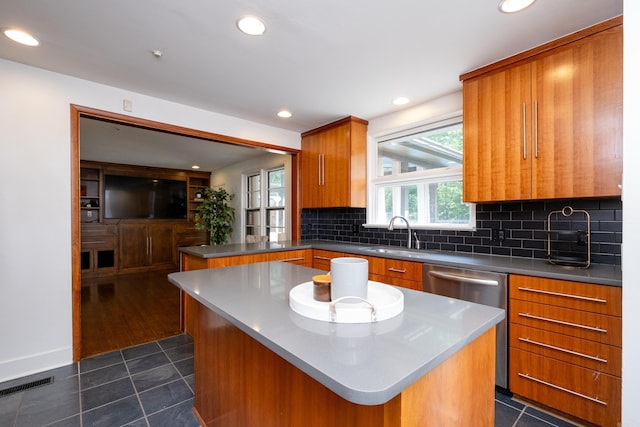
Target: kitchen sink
[(394, 251)]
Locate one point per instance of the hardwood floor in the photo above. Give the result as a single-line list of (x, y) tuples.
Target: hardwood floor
[(126, 310)]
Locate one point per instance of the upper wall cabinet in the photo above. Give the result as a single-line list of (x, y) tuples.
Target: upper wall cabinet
[(333, 165), (548, 123)]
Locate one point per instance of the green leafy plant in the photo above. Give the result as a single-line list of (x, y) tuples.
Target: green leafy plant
[(215, 215)]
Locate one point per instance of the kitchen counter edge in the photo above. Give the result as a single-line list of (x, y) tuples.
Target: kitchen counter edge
[(602, 274)]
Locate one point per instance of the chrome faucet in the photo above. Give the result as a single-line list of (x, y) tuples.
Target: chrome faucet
[(390, 228)]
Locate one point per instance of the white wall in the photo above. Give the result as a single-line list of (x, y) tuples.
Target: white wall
[(231, 178), (437, 109), (35, 201), (631, 220)]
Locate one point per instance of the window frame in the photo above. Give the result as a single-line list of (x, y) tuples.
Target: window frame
[(264, 209), (426, 177)]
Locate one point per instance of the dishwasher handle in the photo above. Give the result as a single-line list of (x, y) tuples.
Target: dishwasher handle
[(464, 279)]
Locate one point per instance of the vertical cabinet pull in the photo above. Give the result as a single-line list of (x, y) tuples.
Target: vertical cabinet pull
[(524, 131), (535, 127), (320, 169)]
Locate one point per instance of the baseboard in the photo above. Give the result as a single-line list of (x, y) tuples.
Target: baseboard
[(35, 363)]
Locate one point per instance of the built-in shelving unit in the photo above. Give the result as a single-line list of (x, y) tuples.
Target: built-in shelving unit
[(196, 189), (90, 194), (115, 245)]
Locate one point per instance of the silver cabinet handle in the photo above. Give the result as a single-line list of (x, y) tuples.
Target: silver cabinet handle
[(319, 169), (323, 169), (560, 322), (559, 294), (464, 279), (93, 242), (396, 270), (535, 127), (564, 350), (321, 257), (557, 387), (292, 259), (524, 131)]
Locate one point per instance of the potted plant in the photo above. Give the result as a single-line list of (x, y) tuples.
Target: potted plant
[(215, 215)]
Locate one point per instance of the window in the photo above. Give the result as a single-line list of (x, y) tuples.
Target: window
[(266, 219), (419, 176)]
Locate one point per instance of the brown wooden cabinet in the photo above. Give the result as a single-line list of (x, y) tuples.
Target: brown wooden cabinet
[(333, 165), (566, 346), (406, 274), (549, 125), (322, 259), (145, 244), (134, 244), (98, 249)]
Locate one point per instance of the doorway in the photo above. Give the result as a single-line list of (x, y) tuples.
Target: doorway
[(76, 113)]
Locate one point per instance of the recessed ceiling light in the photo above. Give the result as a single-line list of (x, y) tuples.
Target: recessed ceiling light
[(284, 114), (511, 6), (251, 25), (401, 100), (21, 37), (195, 167)]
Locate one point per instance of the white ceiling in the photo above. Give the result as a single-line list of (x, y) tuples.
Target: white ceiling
[(118, 143), (322, 60)]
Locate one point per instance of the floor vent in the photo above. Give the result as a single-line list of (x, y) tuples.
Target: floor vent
[(26, 386)]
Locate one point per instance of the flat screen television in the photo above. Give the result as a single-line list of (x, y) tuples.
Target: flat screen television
[(140, 197)]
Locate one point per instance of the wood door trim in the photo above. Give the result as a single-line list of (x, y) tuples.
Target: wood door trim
[(77, 111)]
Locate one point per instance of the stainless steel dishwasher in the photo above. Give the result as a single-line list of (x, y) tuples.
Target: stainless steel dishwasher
[(482, 287)]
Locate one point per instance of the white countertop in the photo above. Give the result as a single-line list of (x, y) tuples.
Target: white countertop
[(364, 363)]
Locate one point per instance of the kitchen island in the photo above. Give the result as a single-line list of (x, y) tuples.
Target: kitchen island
[(257, 363)]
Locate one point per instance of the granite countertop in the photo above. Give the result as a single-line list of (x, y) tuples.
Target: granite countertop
[(367, 363), (597, 273)]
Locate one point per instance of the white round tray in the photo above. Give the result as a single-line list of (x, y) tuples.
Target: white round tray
[(383, 302)]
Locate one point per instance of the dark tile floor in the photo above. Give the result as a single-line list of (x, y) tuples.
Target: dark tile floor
[(146, 385), (151, 385)]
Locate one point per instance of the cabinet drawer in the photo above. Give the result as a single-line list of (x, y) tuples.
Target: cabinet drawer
[(322, 259), (580, 296), (575, 323), (403, 283), (588, 354), (399, 269), (98, 241), (584, 393), (299, 256)]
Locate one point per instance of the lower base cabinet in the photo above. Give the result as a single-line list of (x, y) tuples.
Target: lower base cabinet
[(566, 347), (405, 274)]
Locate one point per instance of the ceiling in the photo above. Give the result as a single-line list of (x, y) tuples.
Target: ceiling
[(320, 60), (106, 141)]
